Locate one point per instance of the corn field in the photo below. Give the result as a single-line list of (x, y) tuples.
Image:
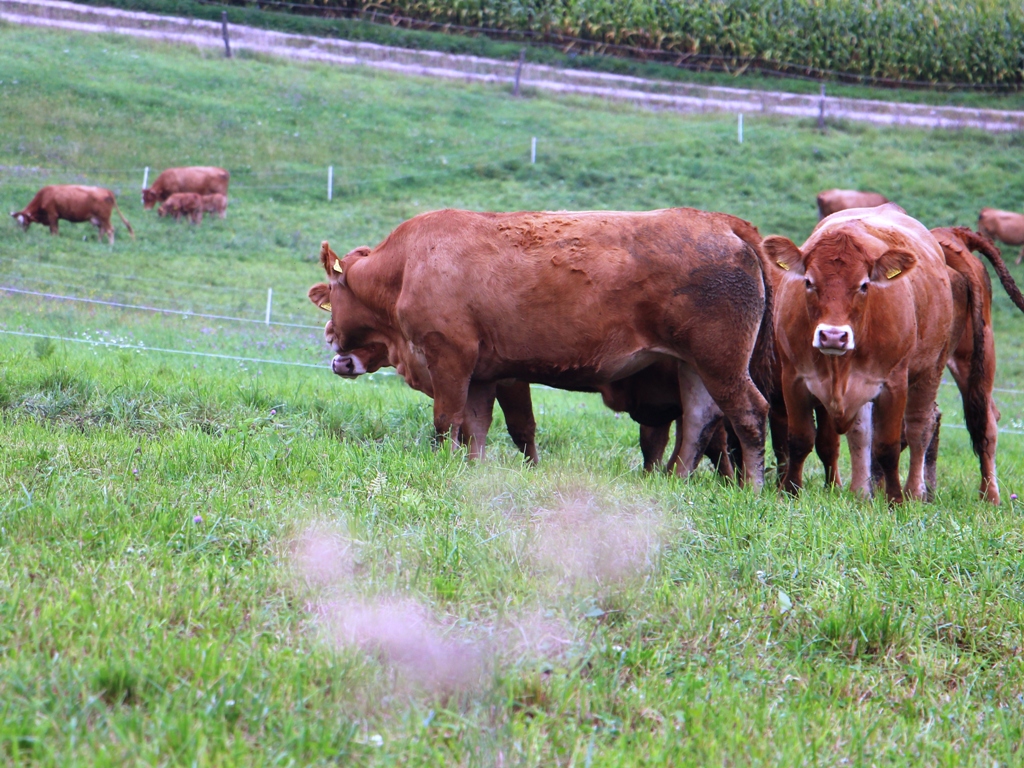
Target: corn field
[(930, 41)]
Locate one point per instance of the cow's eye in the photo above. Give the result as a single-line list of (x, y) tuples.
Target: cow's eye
[(808, 284), (864, 287)]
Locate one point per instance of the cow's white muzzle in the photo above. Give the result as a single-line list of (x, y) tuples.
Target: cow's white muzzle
[(833, 339), (347, 365)]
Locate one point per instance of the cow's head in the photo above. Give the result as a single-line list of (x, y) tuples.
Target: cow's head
[(23, 218), (149, 199), (353, 331), (839, 278)]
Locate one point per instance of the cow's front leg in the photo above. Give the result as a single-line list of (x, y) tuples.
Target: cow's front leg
[(450, 374), (478, 414), (888, 428), (653, 441), (517, 405), (701, 415)]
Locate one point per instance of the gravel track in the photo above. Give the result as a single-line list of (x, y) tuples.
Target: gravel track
[(653, 94)]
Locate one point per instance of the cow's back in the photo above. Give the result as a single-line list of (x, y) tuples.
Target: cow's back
[(200, 180), (571, 291)]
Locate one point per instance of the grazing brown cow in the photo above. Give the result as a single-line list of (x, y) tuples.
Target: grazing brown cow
[(575, 300), (1004, 226), (201, 180), (74, 203), (183, 204), (864, 321), (832, 200), (217, 204)]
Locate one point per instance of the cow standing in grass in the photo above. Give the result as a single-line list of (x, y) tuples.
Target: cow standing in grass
[(574, 300), (864, 327), (200, 180), (73, 203)]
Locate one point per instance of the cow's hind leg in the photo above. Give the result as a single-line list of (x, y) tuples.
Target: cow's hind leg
[(478, 414), (826, 445), (747, 412), (859, 440), (517, 405), (701, 415)]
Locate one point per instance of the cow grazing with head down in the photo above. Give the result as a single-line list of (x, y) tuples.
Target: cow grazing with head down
[(200, 180), (74, 203), (1004, 226), (833, 200), (458, 301), (864, 327), (183, 204)]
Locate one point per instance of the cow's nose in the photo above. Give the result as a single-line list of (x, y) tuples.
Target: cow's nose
[(833, 338), (342, 365)]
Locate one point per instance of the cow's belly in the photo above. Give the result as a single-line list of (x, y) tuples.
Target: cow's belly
[(568, 374)]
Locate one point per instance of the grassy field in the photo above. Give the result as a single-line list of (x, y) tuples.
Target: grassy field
[(209, 561)]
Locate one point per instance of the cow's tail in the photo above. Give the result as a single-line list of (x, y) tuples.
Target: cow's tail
[(130, 230), (762, 361), (979, 242)]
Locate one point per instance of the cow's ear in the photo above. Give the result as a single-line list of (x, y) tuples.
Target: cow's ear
[(320, 294), (331, 262), (892, 265), (784, 254)]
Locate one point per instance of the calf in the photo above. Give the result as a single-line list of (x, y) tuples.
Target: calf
[(201, 180), (864, 325), (74, 203), (217, 204), (573, 300), (1005, 226), (832, 200), (183, 204)]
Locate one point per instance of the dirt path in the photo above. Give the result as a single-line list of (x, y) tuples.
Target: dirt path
[(654, 94)]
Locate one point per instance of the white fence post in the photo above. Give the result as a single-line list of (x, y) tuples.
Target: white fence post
[(739, 129), (145, 178), (533, 150), (330, 183), (270, 301)]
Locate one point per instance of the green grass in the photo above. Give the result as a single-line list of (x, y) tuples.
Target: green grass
[(182, 539)]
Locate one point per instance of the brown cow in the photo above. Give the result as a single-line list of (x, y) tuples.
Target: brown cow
[(183, 204), (74, 203), (217, 204), (973, 359), (574, 300), (863, 322), (832, 200), (201, 180), (1005, 226)]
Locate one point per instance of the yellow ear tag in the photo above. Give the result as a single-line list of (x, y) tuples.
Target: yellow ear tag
[(337, 266), (326, 306), (892, 273), (783, 264)]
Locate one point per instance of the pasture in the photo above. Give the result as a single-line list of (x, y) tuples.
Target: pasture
[(212, 561)]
